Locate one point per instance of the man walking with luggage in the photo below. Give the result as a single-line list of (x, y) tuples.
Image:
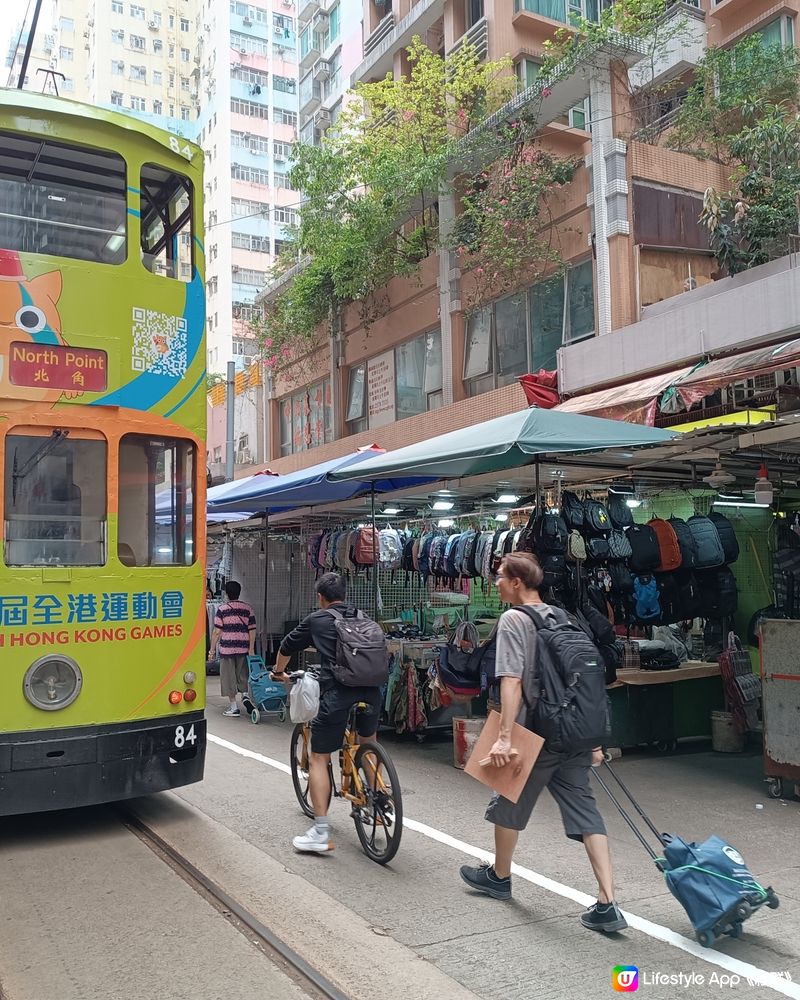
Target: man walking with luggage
[(335, 701), (566, 774)]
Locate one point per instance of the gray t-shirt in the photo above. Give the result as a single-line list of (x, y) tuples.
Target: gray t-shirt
[(516, 651)]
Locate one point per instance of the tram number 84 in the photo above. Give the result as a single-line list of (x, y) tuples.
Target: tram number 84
[(182, 737)]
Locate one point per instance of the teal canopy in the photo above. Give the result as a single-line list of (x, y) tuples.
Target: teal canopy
[(506, 442)]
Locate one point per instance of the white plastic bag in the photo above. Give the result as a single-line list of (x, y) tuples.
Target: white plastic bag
[(304, 699)]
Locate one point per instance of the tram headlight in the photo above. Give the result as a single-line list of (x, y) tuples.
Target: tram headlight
[(52, 682), (189, 677)]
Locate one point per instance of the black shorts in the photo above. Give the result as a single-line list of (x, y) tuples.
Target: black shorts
[(335, 702)]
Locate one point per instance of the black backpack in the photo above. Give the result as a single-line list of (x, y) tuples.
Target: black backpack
[(707, 543), (571, 712), (718, 593), (645, 552), (597, 549), (596, 518), (468, 567), (620, 513), (572, 510), (554, 568), (362, 654), (549, 535), (685, 542), (679, 595), (730, 543), (618, 545), (621, 579)]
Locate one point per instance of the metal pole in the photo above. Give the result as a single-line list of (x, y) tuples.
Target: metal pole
[(230, 401), (537, 485), (375, 555), (266, 633), (29, 45)]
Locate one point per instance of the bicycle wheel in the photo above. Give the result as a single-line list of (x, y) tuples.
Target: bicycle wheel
[(299, 751), (379, 824)]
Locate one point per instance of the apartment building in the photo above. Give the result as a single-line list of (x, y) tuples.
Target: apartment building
[(247, 125), (632, 245), (42, 57)]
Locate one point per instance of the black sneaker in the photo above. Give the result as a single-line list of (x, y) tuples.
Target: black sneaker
[(484, 879), (248, 706), (605, 917)]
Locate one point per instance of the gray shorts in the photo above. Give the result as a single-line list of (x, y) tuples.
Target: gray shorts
[(233, 675), (566, 776)]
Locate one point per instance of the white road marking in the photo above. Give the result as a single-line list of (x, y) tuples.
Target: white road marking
[(733, 966)]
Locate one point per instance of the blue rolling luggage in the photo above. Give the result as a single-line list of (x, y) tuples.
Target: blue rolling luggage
[(266, 695), (710, 880)]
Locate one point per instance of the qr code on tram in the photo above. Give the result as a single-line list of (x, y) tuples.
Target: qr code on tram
[(159, 343)]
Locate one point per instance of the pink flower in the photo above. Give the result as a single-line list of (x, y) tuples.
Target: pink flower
[(268, 342), (546, 91), (479, 271), (408, 115), (286, 353), (504, 201)]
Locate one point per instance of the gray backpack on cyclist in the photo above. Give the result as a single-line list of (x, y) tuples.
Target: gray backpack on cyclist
[(362, 656)]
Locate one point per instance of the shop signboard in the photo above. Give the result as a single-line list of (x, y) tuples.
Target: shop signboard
[(380, 389)]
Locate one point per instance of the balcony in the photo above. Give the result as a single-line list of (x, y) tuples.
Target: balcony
[(388, 37), (310, 94), (306, 9), (310, 48), (477, 37), (685, 29)]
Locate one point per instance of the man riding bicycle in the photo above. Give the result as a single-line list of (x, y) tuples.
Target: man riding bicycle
[(336, 700)]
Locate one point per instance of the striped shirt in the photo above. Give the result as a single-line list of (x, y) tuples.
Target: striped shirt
[(234, 620)]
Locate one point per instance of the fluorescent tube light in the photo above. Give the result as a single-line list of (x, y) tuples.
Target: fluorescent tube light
[(507, 498), (740, 503), (444, 505), (446, 522), (633, 503), (391, 510)]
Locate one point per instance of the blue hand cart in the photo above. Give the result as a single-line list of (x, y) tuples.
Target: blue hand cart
[(266, 695)]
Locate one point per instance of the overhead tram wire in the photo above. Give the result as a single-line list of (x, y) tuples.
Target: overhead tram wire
[(16, 47)]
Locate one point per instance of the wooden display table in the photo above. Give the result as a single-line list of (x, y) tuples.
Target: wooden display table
[(659, 707)]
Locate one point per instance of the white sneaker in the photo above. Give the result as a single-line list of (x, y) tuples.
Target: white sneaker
[(232, 713), (313, 842)]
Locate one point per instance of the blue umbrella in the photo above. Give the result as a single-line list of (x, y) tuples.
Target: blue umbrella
[(310, 487)]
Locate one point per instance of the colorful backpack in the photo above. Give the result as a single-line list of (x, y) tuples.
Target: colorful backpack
[(645, 592), (668, 546)]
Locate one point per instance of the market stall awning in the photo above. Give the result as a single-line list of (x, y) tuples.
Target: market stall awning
[(506, 442), (736, 367), (312, 486), (634, 401)]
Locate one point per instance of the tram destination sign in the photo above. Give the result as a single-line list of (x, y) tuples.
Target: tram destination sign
[(53, 366)]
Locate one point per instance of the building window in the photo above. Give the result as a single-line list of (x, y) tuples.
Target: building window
[(245, 347), (158, 46), (137, 11), (282, 181), (185, 55), (137, 42), (418, 375), (246, 241), (282, 150), (249, 108), (253, 175), (562, 10), (356, 414), (66, 24), (474, 12), (248, 44), (779, 32), (138, 73), (248, 276), (138, 104), (117, 36), (67, 84), (157, 78), (117, 7), (255, 77), (184, 24), (527, 71), (158, 107), (156, 19), (284, 84), (284, 117), (66, 54), (116, 98), (184, 83), (306, 418), (185, 113), (522, 332), (117, 68), (334, 20), (242, 208), (285, 216)]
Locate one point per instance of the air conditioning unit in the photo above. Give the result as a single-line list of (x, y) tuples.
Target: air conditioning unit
[(322, 118), (279, 158), (246, 20), (321, 70), (243, 51), (244, 457), (153, 25), (278, 32)]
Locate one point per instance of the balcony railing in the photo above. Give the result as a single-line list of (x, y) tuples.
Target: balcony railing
[(477, 37), (385, 25)]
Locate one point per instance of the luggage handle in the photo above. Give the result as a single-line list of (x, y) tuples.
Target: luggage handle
[(626, 816)]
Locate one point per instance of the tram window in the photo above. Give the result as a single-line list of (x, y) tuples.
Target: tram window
[(62, 200), (156, 486), (55, 499), (167, 207)]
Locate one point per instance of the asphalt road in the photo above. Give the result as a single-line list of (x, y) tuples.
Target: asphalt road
[(88, 911)]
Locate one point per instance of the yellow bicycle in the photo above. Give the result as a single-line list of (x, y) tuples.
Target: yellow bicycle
[(368, 781)]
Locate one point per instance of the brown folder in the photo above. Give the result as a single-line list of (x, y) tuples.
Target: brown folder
[(509, 780)]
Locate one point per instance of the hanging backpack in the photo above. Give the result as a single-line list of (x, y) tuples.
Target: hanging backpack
[(391, 549), (685, 542), (470, 561), (647, 604), (362, 655), (572, 510), (597, 549), (668, 547), (618, 510), (366, 546), (571, 712), (554, 568), (621, 579), (576, 547), (423, 555), (719, 595), (437, 556), (730, 543), (460, 554), (645, 553), (596, 519), (679, 596), (549, 535), (312, 551), (707, 543), (490, 538), (618, 545), (499, 550), (407, 559)]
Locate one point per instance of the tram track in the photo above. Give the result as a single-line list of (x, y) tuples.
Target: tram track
[(277, 951)]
